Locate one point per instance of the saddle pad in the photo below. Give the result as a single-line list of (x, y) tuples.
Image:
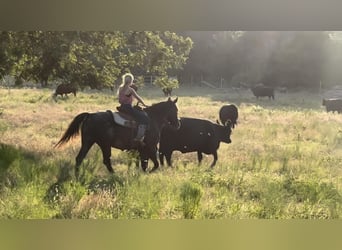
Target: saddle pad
[(124, 122)]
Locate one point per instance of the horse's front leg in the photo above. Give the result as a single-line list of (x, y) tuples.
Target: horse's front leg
[(153, 156), (147, 154), (155, 162), (144, 162), (143, 159)]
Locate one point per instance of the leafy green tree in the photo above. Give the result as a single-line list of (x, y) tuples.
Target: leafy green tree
[(6, 63), (210, 59), (13, 58), (92, 60), (95, 59), (156, 52), (166, 84)]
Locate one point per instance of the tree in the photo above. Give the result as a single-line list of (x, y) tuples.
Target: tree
[(289, 58), (91, 59), (6, 60), (210, 57), (94, 59)]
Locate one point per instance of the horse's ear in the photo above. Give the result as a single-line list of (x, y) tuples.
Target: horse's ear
[(175, 100), (169, 99), (217, 121)]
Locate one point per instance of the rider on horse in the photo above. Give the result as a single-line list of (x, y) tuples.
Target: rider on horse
[(126, 94)]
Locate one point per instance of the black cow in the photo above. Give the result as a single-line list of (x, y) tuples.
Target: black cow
[(333, 105), (229, 113), (193, 135), (64, 89), (260, 91), (167, 91)]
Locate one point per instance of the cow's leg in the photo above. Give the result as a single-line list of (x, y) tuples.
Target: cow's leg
[(168, 158), (215, 159), (199, 157), (106, 153), (161, 158), (81, 154)]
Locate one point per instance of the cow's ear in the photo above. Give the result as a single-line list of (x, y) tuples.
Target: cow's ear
[(175, 100)]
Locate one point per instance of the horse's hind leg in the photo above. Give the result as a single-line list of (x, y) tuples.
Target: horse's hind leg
[(83, 152), (106, 153)]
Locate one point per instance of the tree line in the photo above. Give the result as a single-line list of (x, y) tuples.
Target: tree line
[(291, 59), (94, 59), (306, 59)]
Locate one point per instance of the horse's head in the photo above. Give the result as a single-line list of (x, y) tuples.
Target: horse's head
[(172, 113), (165, 113)]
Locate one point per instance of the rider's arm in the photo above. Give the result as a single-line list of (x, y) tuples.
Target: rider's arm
[(135, 94)]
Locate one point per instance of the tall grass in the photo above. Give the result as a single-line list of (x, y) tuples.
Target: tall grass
[(284, 161)]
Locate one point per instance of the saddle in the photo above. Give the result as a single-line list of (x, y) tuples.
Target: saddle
[(123, 118)]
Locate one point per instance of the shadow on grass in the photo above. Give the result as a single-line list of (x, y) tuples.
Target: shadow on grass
[(87, 179), (9, 153)]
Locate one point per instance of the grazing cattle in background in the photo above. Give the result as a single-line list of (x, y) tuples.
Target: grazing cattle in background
[(229, 113), (167, 91), (260, 91), (282, 89), (64, 89), (333, 105), (194, 135)]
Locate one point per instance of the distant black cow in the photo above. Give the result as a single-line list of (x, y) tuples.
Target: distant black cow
[(167, 91), (260, 91), (229, 113), (64, 89), (193, 135), (333, 105)]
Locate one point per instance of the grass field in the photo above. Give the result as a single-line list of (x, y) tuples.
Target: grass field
[(285, 161)]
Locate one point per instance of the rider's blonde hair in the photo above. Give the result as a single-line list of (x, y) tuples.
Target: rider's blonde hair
[(126, 78)]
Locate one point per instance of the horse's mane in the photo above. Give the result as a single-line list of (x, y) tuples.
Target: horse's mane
[(157, 108)]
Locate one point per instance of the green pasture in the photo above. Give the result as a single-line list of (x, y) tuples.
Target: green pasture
[(284, 162)]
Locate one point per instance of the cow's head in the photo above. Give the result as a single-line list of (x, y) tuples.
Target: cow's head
[(223, 133)]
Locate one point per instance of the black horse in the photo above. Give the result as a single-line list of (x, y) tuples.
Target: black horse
[(100, 128)]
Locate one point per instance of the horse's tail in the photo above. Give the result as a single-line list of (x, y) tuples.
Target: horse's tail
[(73, 129)]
